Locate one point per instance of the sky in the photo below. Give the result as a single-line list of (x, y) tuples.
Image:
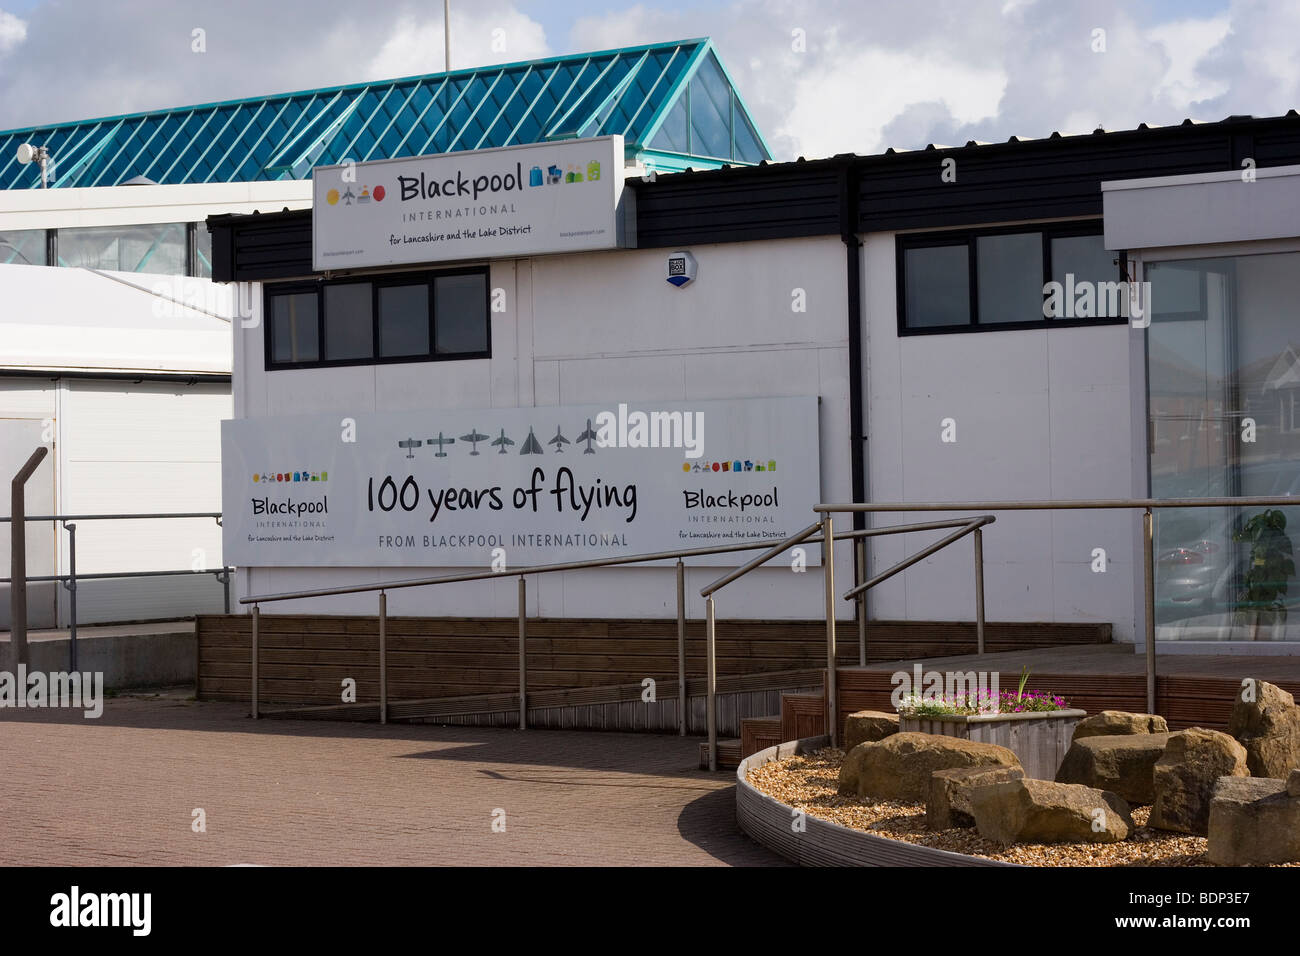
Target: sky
[(819, 76)]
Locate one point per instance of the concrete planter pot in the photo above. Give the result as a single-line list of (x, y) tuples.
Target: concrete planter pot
[(1040, 740)]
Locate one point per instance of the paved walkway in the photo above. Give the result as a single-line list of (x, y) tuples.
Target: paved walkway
[(123, 789)]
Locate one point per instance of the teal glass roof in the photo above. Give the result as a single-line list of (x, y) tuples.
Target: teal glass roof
[(673, 103)]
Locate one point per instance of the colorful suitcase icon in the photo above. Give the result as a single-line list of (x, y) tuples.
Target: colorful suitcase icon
[(535, 176), (593, 170)]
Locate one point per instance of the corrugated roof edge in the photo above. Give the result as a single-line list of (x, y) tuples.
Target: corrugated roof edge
[(1015, 143)]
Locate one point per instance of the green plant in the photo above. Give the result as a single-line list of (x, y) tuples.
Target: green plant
[(1024, 679), (1270, 568)]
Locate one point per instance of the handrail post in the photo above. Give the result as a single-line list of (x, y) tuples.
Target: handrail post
[(979, 590), (256, 614), (828, 560), (1149, 581), (224, 577), (71, 585), (383, 657), (681, 648), (523, 653), (711, 681), (860, 575), (18, 558)]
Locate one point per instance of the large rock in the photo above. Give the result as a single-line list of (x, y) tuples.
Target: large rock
[(1293, 783), (867, 726), (1186, 774), (1253, 821), (947, 804), (899, 767), (1266, 720), (1122, 764), (1038, 811), (1110, 723)]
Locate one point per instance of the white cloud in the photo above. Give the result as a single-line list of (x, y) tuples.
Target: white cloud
[(12, 32), (1187, 43), (483, 36)]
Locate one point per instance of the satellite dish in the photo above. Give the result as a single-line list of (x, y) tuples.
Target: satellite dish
[(26, 153)]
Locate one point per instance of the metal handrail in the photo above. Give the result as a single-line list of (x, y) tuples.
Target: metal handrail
[(69, 580), (809, 535), (1146, 505), (963, 526)]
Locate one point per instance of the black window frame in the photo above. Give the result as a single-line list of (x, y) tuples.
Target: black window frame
[(968, 237), (428, 278)]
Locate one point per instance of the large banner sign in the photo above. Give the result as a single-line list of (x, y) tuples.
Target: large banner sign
[(515, 201), (518, 486)]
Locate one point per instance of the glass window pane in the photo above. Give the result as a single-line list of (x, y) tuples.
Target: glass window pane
[(460, 313), (294, 329), (748, 147), (24, 247), (672, 134), (710, 112), (202, 251), (404, 320), (1087, 259), (1010, 270), (158, 248), (937, 286), (349, 325)]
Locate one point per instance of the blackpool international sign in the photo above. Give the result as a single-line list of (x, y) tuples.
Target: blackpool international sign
[(557, 197)]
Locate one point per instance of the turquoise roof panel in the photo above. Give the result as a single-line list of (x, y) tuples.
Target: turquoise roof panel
[(643, 93)]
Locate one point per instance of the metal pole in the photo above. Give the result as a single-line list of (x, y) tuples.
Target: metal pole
[(18, 559), (71, 585), (523, 653), (828, 559), (225, 586), (446, 35), (1149, 580), (383, 657), (979, 590), (711, 682), (860, 575), (681, 648), (256, 615)]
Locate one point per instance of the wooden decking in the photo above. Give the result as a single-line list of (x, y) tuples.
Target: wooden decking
[(1191, 690)]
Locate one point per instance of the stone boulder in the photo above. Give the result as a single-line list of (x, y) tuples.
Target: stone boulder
[(1268, 726), (1253, 821), (1038, 811), (1109, 723), (947, 804), (867, 726), (899, 767), (1121, 764), (1186, 774)]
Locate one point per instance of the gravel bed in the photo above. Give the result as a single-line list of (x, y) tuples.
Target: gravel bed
[(809, 783)]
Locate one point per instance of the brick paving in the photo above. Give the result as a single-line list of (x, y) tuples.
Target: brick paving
[(122, 790)]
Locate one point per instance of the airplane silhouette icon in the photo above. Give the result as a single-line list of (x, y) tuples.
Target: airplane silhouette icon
[(531, 447), (588, 436), (408, 445), (503, 441), (559, 441), (440, 441), (474, 438)]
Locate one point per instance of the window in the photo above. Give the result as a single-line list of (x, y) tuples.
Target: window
[(160, 248), (1001, 278), (24, 247), (409, 317)]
